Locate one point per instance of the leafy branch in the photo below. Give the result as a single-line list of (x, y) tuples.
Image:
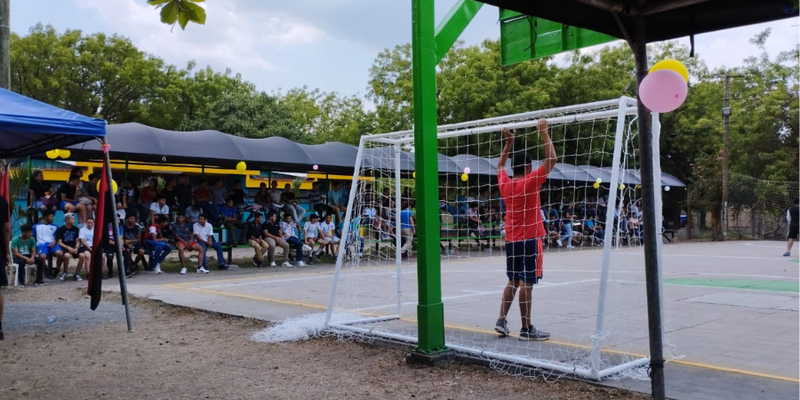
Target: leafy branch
[(180, 11)]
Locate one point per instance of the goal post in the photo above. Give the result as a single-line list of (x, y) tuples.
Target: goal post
[(597, 156)]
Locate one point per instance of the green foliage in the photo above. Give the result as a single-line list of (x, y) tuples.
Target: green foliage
[(180, 11), (17, 182), (326, 117)]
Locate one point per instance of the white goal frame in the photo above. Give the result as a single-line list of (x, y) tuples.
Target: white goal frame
[(623, 107)]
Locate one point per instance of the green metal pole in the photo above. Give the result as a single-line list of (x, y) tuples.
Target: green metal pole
[(430, 311)]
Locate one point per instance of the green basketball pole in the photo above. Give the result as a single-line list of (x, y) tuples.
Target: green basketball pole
[(430, 311)]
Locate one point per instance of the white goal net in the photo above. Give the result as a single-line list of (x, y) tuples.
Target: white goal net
[(591, 296)]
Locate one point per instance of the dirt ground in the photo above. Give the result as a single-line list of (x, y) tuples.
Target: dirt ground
[(179, 353)]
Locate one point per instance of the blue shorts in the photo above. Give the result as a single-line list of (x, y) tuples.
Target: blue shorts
[(64, 203), (524, 261), (44, 249)]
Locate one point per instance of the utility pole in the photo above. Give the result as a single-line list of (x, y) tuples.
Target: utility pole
[(726, 114), (5, 44)]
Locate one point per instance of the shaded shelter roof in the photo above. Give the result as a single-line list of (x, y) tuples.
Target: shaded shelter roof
[(28, 126), (663, 19), (336, 157)]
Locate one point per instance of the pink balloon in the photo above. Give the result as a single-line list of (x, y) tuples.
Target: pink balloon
[(663, 90)]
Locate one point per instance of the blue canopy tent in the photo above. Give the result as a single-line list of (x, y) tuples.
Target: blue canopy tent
[(28, 127)]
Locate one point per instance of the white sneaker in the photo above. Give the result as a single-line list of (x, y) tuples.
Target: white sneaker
[(287, 264), (183, 271), (202, 270), (62, 276), (569, 246), (78, 278), (273, 264), (306, 248), (301, 264), (559, 242), (158, 270)]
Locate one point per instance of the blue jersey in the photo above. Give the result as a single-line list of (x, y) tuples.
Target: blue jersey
[(405, 219)]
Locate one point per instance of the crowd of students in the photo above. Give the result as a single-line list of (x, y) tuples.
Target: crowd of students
[(178, 216)]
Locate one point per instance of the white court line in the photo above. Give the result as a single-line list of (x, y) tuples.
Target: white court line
[(767, 247), (709, 256)]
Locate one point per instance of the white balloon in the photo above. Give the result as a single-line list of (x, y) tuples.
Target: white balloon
[(666, 188)]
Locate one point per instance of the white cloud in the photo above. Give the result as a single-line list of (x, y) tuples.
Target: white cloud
[(231, 38)]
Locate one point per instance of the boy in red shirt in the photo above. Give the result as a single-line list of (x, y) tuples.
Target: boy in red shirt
[(524, 229)]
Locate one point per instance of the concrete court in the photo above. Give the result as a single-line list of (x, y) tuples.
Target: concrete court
[(731, 308)]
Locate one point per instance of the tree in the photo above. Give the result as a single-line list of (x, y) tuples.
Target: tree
[(325, 117), (96, 75), (252, 115)]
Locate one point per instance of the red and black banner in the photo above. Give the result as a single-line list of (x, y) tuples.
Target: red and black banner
[(104, 215)]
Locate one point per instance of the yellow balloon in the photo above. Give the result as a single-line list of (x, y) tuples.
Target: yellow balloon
[(64, 153), (114, 186), (241, 166), (639, 186), (52, 154), (414, 174), (464, 177), (672, 65), (621, 186), (596, 185)]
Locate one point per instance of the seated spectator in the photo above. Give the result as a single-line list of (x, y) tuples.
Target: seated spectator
[(276, 196), (159, 207), (386, 206), (317, 201), (231, 220), (46, 246), (85, 241), (203, 234), (170, 194), (328, 229), (273, 235), (67, 240), (41, 195), (237, 194), (202, 197), (346, 196), (475, 225), (157, 243), (634, 225), (256, 241), (218, 193), (290, 203), (312, 236), (131, 202), (23, 252), (184, 241), (88, 194), (110, 249), (149, 195), (335, 201), (193, 213), (263, 199), (183, 193), (288, 228), (132, 243), (68, 195)]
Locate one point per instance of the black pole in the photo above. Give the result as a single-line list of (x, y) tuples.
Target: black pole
[(123, 285), (651, 233)]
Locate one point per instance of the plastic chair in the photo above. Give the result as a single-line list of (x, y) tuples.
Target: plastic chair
[(28, 269)]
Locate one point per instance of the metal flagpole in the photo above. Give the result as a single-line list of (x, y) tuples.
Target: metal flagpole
[(123, 285)]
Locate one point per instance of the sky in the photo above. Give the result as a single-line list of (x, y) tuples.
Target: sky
[(325, 44)]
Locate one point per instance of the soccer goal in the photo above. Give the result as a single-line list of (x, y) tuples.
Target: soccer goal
[(592, 296)]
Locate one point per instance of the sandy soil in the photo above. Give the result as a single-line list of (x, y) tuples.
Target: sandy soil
[(178, 353)]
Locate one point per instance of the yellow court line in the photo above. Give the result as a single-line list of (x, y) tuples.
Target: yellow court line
[(182, 285), (482, 331)]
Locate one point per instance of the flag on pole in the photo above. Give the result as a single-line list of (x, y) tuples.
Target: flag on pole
[(104, 215)]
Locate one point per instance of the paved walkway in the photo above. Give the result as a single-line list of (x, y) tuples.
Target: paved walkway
[(731, 308)]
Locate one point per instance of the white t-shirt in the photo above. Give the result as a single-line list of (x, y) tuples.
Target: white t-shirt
[(311, 229), (369, 212), (288, 229), (159, 210), (328, 228), (87, 235), (203, 232)]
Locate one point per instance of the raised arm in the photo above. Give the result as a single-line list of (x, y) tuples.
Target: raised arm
[(508, 135), (549, 149)]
